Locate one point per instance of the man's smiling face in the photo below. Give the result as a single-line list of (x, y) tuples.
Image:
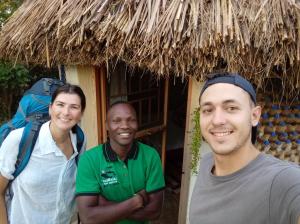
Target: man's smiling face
[(227, 115), (121, 125)]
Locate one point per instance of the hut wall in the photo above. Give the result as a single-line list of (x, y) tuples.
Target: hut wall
[(85, 77)]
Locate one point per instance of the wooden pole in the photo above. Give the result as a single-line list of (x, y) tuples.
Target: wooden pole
[(194, 88), (103, 98), (165, 120)]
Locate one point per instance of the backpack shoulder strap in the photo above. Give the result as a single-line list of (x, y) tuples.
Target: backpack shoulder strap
[(80, 141), (28, 140)]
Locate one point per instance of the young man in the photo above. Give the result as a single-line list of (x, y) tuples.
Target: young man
[(122, 180), (236, 183)]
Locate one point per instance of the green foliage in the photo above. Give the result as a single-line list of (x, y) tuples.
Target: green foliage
[(196, 141), (12, 78), (13, 81), (7, 8), (3, 113)]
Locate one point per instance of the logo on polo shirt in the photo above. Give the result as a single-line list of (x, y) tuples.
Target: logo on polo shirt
[(108, 178)]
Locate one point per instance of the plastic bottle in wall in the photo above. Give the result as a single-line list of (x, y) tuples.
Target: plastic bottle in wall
[(297, 119), (287, 145), (273, 137), (296, 109), (265, 118), (285, 110), (278, 146), (266, 146), (290, 118), (282, 127), (294, 157), (290, 128), (277, 119), (293, 136), (260, 130), (269, 128), (274, 109), (283, 136), (298, 146)]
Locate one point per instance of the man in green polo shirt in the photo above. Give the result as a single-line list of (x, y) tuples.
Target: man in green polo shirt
[(122, 180)]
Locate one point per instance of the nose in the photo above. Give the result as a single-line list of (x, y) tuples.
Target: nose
[(66, 110), (218, 117), (124, 124)]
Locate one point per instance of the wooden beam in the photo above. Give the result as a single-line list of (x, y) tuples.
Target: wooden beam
[(165, 121), (103, 101), (85, 77), (98, 105), (194, 88), (150, 131)]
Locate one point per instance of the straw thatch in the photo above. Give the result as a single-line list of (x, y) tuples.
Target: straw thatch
[(259, 38)]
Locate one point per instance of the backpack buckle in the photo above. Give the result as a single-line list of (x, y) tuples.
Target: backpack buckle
[(36, 125)]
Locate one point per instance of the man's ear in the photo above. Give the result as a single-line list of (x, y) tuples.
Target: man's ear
[(255, 115)]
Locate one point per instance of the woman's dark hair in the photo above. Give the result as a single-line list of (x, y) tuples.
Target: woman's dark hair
[(71, 89)]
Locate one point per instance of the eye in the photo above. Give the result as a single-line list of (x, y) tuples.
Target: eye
[(232, 108), (75, 107), (133, 119), (116, 121), (206, 110)]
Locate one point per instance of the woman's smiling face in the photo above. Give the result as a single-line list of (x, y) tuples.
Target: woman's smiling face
[(65, 111)]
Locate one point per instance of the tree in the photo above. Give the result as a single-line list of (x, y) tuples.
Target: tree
[(12, 80), (7, 8), (16, 78)]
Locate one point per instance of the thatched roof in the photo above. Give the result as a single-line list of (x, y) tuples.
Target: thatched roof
[(258, 38)]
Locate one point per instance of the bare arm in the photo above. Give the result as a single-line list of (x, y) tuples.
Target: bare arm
[(3, 212), (91, 211), (152, 209), (152, 206)]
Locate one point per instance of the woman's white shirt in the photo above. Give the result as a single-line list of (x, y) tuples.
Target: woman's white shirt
[(44, 192)]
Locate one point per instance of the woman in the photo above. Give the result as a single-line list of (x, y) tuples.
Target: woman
[(44, 191)]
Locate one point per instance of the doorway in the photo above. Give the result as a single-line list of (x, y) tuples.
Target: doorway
[(161, 109), (176, 121)]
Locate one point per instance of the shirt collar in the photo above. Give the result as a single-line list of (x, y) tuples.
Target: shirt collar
[(111, 156), (46, 142)]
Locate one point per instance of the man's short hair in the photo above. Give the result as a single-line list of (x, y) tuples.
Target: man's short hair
[(119, 102), (237, 80)]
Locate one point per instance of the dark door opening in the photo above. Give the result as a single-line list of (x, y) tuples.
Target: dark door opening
[(178, 91), (163, 129)]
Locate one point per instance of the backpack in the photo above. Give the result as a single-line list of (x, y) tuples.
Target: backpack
[(31, 114)]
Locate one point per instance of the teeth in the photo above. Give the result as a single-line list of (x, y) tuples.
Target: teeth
[(221, 134), (124, 134)]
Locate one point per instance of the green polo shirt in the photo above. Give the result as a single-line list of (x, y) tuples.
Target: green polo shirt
[(100, 171)]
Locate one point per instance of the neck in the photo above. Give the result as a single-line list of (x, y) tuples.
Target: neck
[(120, 150), (58, 135), (228, 164)]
